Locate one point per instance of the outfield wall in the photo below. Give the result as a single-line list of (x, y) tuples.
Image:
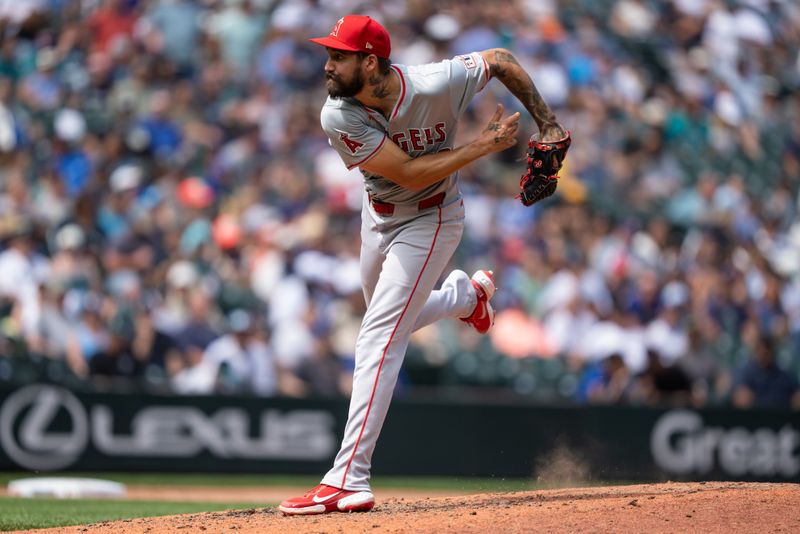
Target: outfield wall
[(47, 428)]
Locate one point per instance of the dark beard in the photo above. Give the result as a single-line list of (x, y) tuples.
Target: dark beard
[(338, 89)]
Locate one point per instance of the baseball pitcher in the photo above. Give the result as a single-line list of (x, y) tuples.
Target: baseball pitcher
[(397, 123)]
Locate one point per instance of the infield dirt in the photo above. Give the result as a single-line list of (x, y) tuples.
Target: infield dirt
[(708, 507)]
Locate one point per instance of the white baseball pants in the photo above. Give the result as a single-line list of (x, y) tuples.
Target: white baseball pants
[(402, 258)]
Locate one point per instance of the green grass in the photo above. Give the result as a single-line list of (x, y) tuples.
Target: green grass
[(182, 479), (178, 479), (21, 514)]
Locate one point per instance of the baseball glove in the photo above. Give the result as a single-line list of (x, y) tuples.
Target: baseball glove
[(544, 162)]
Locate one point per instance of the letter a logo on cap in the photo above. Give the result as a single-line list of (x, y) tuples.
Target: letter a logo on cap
[(357, 33), (335, 30)]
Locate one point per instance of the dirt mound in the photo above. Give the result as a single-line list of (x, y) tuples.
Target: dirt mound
[(723, 507)]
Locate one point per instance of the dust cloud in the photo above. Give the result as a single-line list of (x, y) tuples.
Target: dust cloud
[(562, 467)]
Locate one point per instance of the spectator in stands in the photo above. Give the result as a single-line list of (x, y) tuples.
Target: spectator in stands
[(197, 326), (667, 333), (90, 334), (21, 266), (117, 358), (152, 348), (237, 27), (111, 26), (661, 384), (10, 134), (191, 373), (176, 30), (760, 383), (703, 362), (605, 382), (164, 136), (42, 90), (324, 375), (244, 361)]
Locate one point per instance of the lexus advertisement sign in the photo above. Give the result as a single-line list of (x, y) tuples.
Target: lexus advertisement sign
[(48, 428)]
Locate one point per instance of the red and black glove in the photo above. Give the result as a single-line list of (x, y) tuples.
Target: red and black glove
[(544, 162)]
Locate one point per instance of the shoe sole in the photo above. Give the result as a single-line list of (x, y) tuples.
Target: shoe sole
[(485, 281), (308, 510), (322, 509), (492, 315)]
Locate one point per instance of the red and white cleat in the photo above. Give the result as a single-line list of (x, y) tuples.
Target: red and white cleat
[(482, 317), (324, 499)]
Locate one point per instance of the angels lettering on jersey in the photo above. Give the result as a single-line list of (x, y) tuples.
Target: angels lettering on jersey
[(420, 139)]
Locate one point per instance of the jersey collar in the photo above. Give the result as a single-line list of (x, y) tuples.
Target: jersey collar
[(402, 92)]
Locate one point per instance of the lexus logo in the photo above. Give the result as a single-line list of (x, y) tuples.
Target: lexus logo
[(26, 428)]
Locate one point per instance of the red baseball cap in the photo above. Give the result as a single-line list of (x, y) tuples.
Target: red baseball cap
[(358, 33)]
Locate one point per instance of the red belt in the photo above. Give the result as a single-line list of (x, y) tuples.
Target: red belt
[(387, 208)]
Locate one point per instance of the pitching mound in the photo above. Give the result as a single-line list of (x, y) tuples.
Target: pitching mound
[(723, 507)]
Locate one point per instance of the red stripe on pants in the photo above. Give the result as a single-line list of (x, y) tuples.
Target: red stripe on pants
[(386, 349)]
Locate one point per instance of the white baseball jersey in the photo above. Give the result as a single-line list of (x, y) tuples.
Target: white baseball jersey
[(423, 121), (403, 254)]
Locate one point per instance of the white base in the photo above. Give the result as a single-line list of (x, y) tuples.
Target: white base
[(66, 488)]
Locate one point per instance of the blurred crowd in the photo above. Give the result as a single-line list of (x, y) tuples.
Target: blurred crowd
[(173, 219)]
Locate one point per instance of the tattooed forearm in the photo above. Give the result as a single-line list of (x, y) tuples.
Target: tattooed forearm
[(504, 67), (502, 60)]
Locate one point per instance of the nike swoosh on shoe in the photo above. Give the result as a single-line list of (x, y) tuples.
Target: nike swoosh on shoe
[(317, 499)]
